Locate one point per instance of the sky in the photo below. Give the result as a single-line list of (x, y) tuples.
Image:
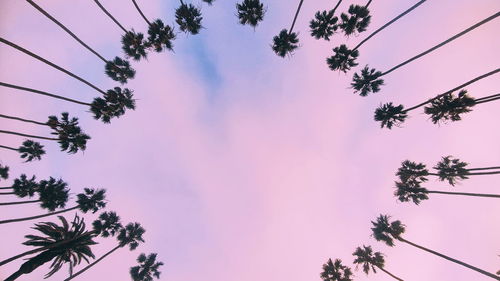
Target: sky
[(242, 165)]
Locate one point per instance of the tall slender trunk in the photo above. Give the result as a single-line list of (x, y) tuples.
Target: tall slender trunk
[(32, 264), (442, 43), (483, 173), (140, 12), (20, 202), (23, 120), (450, 259), (70, 269), (368, 4), (464, 193), (390, 274), (9, 148), (43, 93), (487, 99), (5, 187), (295, 17), (7, 193), (454, 89), (92, 264), (336, 6), (39, 216), (110, 16), (28, 136), (389, 23), (19, 48), (14, 276), (485, 168)]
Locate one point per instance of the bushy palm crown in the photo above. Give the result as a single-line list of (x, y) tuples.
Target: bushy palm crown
[(134, 45), (160, 36), (131, 235), (119, 70), (323, 25), (451, 170), (285, 43), (336, 271), (386, 231), (410, 190), (31, 150), (250, 12), (368, 259), (357, 20), (4, 172), (23, 186), (410, 170), (367, 82), (450, 107), (107, 225), (343, 59), (53, 194), (70, 135), (189, 18), (91, 200), (390, 115), (147, 268), (113, 104), (76, 250)]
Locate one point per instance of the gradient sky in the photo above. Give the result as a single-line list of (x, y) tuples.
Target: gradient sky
[(245, 166)]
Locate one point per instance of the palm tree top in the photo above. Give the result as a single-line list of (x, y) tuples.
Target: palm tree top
[(285, 43), (23, 187), (108, 224), (91, 200), (336, 271), (343, 59), (368, 259), (250, 12), (356, 21), (147, 268), (70, 135), (450, 107), (410, 170), (53, 194), (451, 169), (367, 82), (113, 104), (410, 190), (323, 25), (390, 115), (189, 18), (160, 36), (386, 231), (4, 172), (31, 150), (131, 235)]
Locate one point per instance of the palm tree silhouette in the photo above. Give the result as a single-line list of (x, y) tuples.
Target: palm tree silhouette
[(72, 252), (287, 41), (357, 21), (336, 271), (118, 69), (370, 260), (52, 193), (452, 169), (324, 23), (390, 115), (250, 12), (90, 200), (189, 18), (29, 150), (147, 268), (362, 84), (386, 231), (130, 235)]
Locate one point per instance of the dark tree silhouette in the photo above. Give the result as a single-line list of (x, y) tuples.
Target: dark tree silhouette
[(250, 12), (336, 271), (371, 260), (43, 93), (4, 173), (386, 231), (29, 150), (452, 170), (357, 21), (52, 193), (189, 18), (147, 268), (324, 24), (113, 104), (287, 41)]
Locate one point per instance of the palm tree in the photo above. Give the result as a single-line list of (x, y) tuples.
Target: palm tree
[(336, 271), (117, 69), (357, 21), (324, 23), (4, 173), (131, 235), (361, 83), (287, 41), (29, 150), (52, 193), (386, 231), (189, 18), (452, 170), (390, 115), (147, 268), (370, 260), (90, 200), (72, 252), (250, 12)]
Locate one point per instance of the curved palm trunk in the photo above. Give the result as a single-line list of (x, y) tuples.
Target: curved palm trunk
[(390, 274), (9, 148), (32, 264), (19, 48), (465, 194), (296, 15), (389, 23), (18, 203), (443, 43), (39, 216), (487, 99), (7, 193), (454, 89), (23, 120), (5, 187), (28, 136), (110, 16), (450, 259), (140, 12), (92, 264), (43, 93)]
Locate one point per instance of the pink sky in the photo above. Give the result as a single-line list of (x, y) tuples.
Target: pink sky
[(261, 168)]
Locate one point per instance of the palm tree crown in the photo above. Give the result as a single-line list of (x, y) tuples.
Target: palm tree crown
[(367, 82), (285, 43), (119, 70), (189, 18), (53, 194), (336, 271), (160, 36), (250, 12), (451, 170), (107, 225), (390, 115), (134, 45), (131, 235), (70, 135), (31, 150), (386, 231), (323, 25), (23, 186), (368, 259), (343, 59), (450, 107), (357, 21), (411, 190), (113, 104), (147, 268), (91, 200), (410, 170)]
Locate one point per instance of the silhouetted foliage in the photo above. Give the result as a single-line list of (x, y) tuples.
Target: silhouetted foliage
[(412, 171), (367, 82), (23, 186), (147, 268), (368, 259), (386, 231), (119, 70), (410, 190), (134, 45), (53, 194), (250, 12), (160, 36), (113, 104), (323, 25), (450, 107), (357, 21), (70, 135), (389, 115), (4, 172), (336, 271), (343, 59), (31, 150), (91, 200), (285, 43), (131, 235), (451, 170), (107, 225), (189, 18)]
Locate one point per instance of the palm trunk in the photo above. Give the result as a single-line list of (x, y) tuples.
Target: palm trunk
[(295, 17), (51, 64), (450, 259), (28, 136), (7, 193), (368, 4), (336, 6), (30, 265), (389, 23), (442, 43), (454, 89), (5, 187), (487, 99), (43, 93), (23, 120), (485, 168), (483, 173), (39, 216), (110, 16), (20, 202), (14, 276), (92, 264), (465, 194), (70, 269), (390, 274), (140, 12), (9, 148)]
